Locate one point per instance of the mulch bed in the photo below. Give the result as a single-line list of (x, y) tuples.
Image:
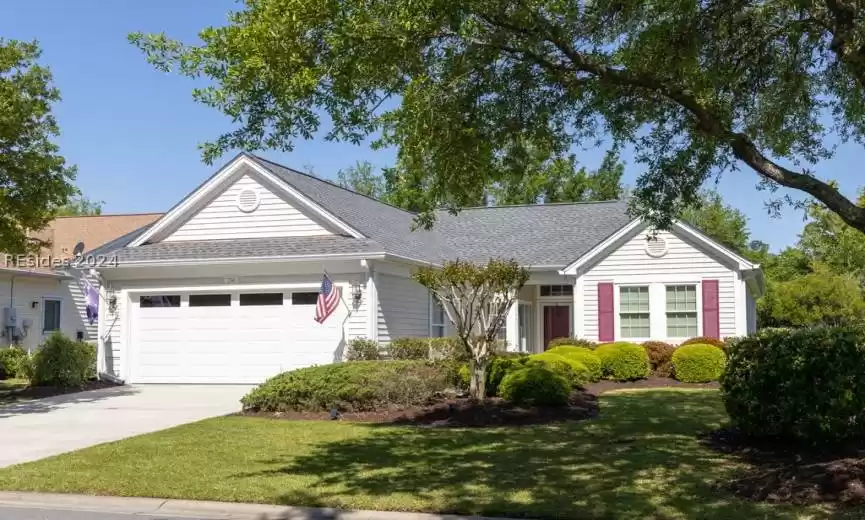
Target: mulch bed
[(461, 412), (651, 382), (38, 392), (786, 472)]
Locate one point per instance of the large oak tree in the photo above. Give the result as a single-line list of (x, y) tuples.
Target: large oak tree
[(697, 87)]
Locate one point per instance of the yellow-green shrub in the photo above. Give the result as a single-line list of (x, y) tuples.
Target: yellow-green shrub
[(584, 355), (623, 361), (699, 363)]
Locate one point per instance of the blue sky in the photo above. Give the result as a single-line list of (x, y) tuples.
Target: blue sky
[(133, 131)]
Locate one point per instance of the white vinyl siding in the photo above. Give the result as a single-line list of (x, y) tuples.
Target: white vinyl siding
[(684, 263), (357, 325), (403, 308), (222, 219), (76, 290), (27, 291)]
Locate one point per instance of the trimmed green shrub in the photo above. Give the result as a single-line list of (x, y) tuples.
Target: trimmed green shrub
[(623, 361), (576, 373), (500, 366), (704, 340), (660, 357), (535, 385), (14, 362), (362, 349), (584, 355), (353, 386), (409, 348), (806, 385), (699, 363), (63, 362), (573, 342)]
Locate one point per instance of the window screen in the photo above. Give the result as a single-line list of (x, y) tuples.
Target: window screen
[(209, 300), (681, 311), (159, 301), (304, 298), (51, 315), (634, 312), (261, 299)]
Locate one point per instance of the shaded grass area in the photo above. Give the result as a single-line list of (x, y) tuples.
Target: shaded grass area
[(10, 388), (640, 459)]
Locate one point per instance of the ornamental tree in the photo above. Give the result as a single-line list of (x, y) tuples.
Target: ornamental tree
[(34, 179), (476, 299), (466, 88)]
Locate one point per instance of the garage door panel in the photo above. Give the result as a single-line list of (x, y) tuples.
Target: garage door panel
[(229, 344)]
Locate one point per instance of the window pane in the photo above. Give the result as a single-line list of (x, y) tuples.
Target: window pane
[(634, 299), (681, 324), (438, 313), (681, 298), (209, 300), (261, 299), (634, 326), (159, 301), (557, 290), (304, 298), (51, 315)]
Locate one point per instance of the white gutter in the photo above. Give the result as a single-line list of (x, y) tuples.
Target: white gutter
[(249, 259), (35, 274)]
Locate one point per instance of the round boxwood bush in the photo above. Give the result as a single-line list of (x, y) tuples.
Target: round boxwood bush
[(576, 373), (623, 361), (705, 340), (806, 385), (500, 366), (362, 349), (353, 386), (535, 385), (660, 357), (698, 363), (584, 355), (573, 342)]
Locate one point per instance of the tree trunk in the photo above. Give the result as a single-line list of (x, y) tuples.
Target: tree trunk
[(478, 381)]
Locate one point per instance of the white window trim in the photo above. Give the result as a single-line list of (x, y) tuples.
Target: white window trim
[(657, 309), (617, 301), (59, 314), (698, 287)]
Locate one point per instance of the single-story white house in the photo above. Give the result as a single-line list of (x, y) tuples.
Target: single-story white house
[(223, 287)]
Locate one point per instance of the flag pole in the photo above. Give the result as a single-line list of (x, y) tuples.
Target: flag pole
[(340, 293)]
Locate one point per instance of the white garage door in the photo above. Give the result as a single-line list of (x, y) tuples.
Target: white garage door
[(228, 337)]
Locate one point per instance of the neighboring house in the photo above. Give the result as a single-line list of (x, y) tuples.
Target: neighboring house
[(46, 299), (223, 287)]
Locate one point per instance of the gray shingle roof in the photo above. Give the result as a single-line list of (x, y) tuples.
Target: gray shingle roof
[(247, 248), (534, 235)]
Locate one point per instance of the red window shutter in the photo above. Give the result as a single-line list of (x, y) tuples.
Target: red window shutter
[(711, 314), (606, 314)]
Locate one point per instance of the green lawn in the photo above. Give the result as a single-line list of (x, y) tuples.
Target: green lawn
[(639, 460)]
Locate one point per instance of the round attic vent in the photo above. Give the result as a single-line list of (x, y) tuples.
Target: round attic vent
[(656, 247), (248, 200)]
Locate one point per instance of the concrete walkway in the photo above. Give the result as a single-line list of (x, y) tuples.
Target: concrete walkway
[(41, 428), (23, 505)]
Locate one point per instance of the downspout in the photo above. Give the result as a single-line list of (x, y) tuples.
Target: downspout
[(10, 330), (101, 374)]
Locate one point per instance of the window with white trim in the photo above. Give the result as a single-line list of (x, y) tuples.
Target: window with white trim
[(681, 311), (51, 315), (557, 290), (634, 312), (437, 320)]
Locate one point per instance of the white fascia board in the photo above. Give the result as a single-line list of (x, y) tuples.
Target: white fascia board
[(221, 179), (250, 260), (743, 263)]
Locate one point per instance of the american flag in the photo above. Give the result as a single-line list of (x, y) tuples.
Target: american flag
[(328, 300)]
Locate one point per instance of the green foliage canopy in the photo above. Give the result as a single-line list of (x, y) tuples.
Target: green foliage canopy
[(466, 88), (34, 178)]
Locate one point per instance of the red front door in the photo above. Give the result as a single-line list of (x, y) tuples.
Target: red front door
[(557, 323)]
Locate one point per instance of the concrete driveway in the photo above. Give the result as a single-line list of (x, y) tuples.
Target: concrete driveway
[(36, 429)]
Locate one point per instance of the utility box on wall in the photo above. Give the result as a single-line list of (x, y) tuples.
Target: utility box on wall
[(10, 317)]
